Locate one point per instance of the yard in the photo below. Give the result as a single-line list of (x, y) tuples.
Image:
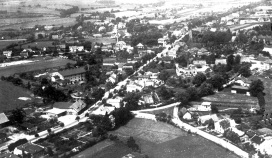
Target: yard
[(9, 95), (5, 43), (39, 65), (160, 140)]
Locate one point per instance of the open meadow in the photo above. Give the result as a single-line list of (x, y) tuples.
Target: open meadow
[(9, 95), (161, 140), (33, 66)]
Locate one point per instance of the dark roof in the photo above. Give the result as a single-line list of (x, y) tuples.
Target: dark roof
[(109, 60), (3, 118), (171, 71), (166, 58), (256, 139), (62, 105), (71, 72), (154, 70), (3, 135), (30, 148)]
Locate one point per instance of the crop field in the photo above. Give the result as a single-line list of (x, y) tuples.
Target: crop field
[(50, 21), (161, 140), (39, 44), (9, 95), (38, 65), (230, 98), (5, 43), (10, 21)]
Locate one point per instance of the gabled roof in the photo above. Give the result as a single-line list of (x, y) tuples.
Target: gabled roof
[(8, 155), (3, 118), (140, 45), (78, 105), (71, 72)]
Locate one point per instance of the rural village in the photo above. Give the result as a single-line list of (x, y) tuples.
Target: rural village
[(129, 80)]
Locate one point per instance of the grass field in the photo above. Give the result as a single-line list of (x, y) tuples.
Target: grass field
[(9, 95), (230, 98), (39, 44), (38, 65), (52, 21), (5, 43), (160, 140), (101, 40)]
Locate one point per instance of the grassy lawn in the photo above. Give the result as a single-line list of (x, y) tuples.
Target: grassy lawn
[(38, 44), (4, 44), (9, 95), (101, 40), (41, 64), (161, 140), (168, 111)]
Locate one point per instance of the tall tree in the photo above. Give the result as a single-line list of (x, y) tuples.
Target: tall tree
[(199, 79), (256, 87)]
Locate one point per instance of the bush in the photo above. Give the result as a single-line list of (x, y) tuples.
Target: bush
[(36, 135), (49, 130), (61, 124)]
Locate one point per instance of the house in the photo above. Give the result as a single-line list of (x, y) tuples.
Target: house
[(205, 118), (187, 116), (26, 53), (103, 110), (73, 75), (166, 59), (221, 61), (265, 131), (28, 127), (115, 102), (140, 46), (162, 41), (7, 54), (242, 81), (134, 155), (36, 151), (240, 90), (74, 49), (133, 86), (55, 37), (121, 44), (71, 108), (205, 106), (148, 99), (3, 120), (199, 62), (48, 27), (55, 112), (3, 137), (222, 125)]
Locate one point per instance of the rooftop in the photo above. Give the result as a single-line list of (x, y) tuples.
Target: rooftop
[(62, 105), (3, 118), (71, 72)]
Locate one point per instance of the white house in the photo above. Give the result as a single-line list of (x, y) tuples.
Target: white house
[(205, 118), (7, 53), (187, 116), (140, 46), (221, 61), (121, 44), (266, 146), (115, 102), (133, 86), (74, 49)]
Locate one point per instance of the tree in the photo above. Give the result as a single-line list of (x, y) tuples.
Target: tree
[(131, 100), (165, 93), (256, 87), (214, 109), (261, 100), (183, 98), (216, 81), (17, 116), (164, 75), (230, 60), (245, 70), (50, 151), (237, 59), (232, 136), (199, 79), (205, 89), (236, 115), (193, 93)]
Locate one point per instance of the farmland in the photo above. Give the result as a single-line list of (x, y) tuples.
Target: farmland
[(39, 44), (50, 21), (9, 95), (160, 140), (5, 43), (101, 40), (10, 21), (39, 65)]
